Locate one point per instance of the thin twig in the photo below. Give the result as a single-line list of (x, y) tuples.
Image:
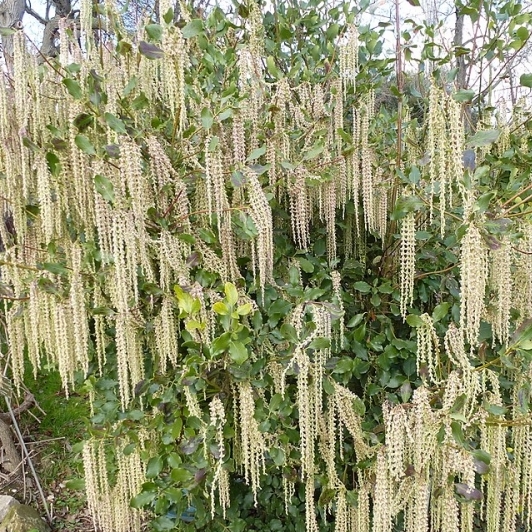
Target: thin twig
[(45, 59), (18, 265), (516, 195), (426, 274), (15, 298), (30, 462), (45, 441), (516, 214), (522, 251)]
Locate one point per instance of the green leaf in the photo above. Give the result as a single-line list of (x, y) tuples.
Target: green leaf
[(220, 308), (150, 51), (245, 309), (112, 150), (168, 17), (483, 456), (73, 88), (358, 406), (288, 332), (523, 33), (355, 320), (451, 75), (278, 456), (124, 47), (115, 123), (6, 32), (213, 144), (495, 410), (484, 138), (84, 144), (53, 267), (483, 202), (193, 28), (180, 475), (231, 293), (458, 435), (142, 499), (362, 287), (313, 152), (404, 205), (154, 467), (414, 321), (458, 416), (140, 102), (83, 121), (105, 188), (326, 497), (238, 352), (207, 119), (131, 84), (306, 265), (440, 311), (237, 179), (464, 95), (225, 114), (320, 343), (28, 143), (256, 153), (54, 165), (346, 137), (155, 31), (526, 80), (272, 67), (220, 344)]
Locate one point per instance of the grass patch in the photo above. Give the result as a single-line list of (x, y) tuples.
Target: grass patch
[(52, 443)]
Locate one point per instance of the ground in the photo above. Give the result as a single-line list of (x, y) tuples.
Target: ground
[(52, 431)]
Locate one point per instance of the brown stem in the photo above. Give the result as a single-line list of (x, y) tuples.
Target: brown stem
[(14, 298), (28, 402), (516, 195), (16, 265), (172, 204), (516, 214), (521, 251), (426, 274)]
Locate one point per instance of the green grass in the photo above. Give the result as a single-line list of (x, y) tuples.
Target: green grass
[(53, 445)]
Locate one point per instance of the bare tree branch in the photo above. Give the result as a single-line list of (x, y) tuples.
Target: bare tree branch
[(34, 14)]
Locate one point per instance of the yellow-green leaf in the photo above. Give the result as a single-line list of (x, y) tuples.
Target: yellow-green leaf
[(231, 293), (220, 308)]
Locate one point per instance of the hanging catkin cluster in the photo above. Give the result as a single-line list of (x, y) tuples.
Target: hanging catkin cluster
[(348, 56), (252, 443), (501, 279), (110, 505), (445, 148), (220, 482), (428, 349), (473, 279), (407, 261)]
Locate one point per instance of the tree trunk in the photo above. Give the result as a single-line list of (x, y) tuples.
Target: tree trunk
[(11, 459), (458, 41), (11, 13)]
